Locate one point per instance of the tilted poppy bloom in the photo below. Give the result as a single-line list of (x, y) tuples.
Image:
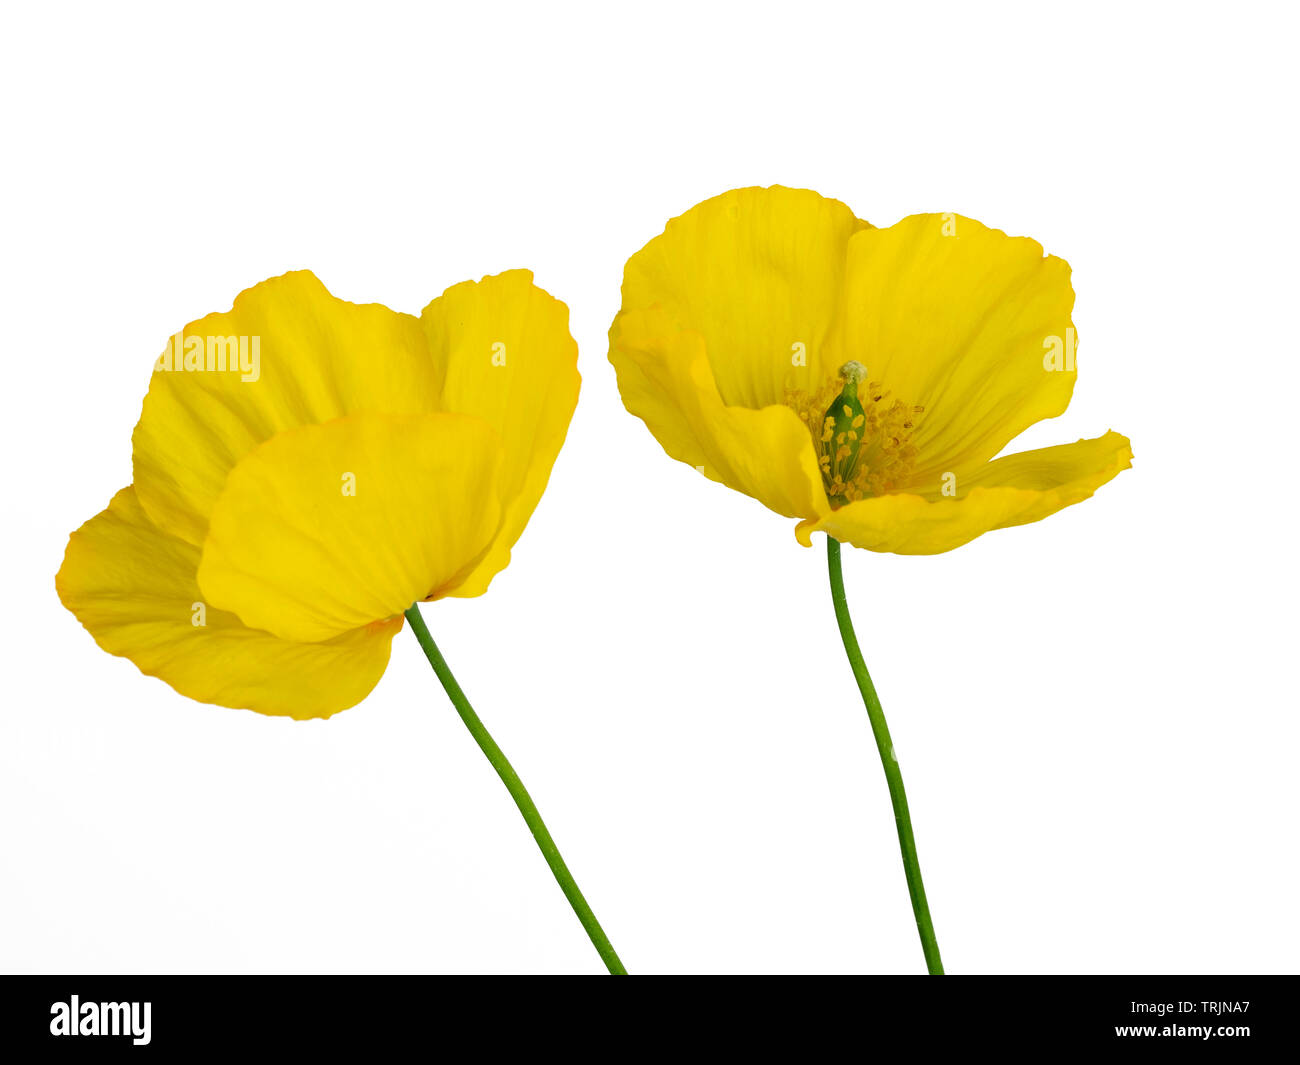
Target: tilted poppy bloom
[(860, 380), (306, 471), (286, 511)]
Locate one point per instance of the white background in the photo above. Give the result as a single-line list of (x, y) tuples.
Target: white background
[(1095, 715)]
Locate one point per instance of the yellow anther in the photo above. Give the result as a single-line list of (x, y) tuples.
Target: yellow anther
[(864, 447)]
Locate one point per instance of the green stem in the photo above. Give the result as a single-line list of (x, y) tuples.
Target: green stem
[(517, 792), (911, 865)]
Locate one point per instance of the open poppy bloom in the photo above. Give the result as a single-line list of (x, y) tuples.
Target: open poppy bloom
[(306, 469), (859, 379)]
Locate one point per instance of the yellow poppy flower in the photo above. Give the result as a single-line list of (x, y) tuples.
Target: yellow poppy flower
[(305, 469), (859, 379)]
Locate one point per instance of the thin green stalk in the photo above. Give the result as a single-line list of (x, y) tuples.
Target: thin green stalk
[(517, 792), (911, 865)]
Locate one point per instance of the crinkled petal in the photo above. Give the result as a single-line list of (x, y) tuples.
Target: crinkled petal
[(326, 528), (1013, 490), (958, 318), (665, 379), (133, 587), (759, 275), (504, 347), (318, 358)]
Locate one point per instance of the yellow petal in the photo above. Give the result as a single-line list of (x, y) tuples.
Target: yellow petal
[(132, 586), (508, 359), (318, 358), (665, 379), (759, 274), (326, 528), (954, 317), (1013, 490)]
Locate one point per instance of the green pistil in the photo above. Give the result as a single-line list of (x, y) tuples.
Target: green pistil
[(847, 419)]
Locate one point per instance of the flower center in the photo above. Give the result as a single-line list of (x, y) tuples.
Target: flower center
[(862, 438)]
